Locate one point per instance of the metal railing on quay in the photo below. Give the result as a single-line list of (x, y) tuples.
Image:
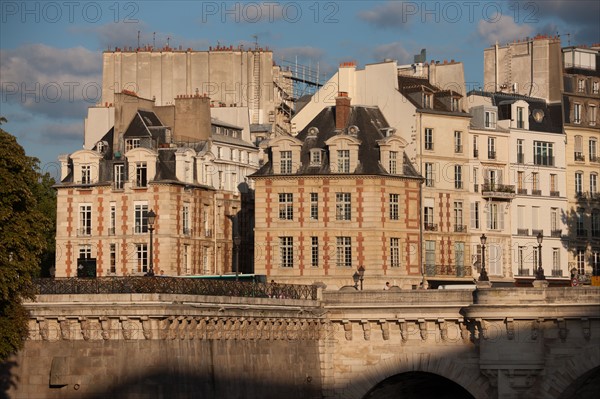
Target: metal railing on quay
[(172, 285)]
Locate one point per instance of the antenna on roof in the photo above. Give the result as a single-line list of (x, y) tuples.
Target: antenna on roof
[(568, 39), (138, 46), (255, 41), (168, 40), (153, 39)]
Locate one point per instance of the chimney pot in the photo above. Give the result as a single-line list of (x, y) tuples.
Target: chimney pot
[(342, 110)]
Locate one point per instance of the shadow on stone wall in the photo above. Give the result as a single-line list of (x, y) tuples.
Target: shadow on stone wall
[(7, 379)]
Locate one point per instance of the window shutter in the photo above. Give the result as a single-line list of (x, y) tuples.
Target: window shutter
[(501, 217)]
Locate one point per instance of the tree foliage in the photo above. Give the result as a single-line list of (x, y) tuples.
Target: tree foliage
[(22, 239)]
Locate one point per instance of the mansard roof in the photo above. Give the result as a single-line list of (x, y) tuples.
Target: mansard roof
[(144, 124), (371, 126)]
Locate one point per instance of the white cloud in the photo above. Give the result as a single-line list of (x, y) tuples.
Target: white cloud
[(503, 30), (394, 14), (304, 53), (394, 51)]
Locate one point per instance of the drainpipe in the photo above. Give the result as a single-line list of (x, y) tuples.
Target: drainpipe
[(423, 281), (496, 66)]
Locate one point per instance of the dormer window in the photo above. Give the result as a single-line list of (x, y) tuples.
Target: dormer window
[(286, 162), (520, 118), (343, 161), (130, 144), (393, 162), (86, 177), (490, 120), (454, 104), (427, 100), (315, 157), (100, 147)]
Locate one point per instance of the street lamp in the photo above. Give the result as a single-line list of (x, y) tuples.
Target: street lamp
[(356, 277), (361, 275), (236, 242), (151, 219), (483, 275), (539, 273)]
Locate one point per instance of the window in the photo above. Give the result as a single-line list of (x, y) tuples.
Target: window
[(428, 218), (535, 184), (494, 259), (579, 149), (454, 105), (342, 206), (521, 260), (593, 150), (130, 144), (85, 251), (592, 115), (394, 252), (457, 141), (491, 148), (593, 183), (495, 219), (595, 261), (343, 161), (427, 100), (286, 162), (314, 206), (430, 257), (315, 157), (576, 113), (579, 222), (580, 260), (141, 178), (581, 85), (490, 120), (595, 87), (429, 174), (428, 139), (458, 217), (119, 176), (185, 219), (554, 185), (458, 184), (393, 162), (554, 222), (141, 253), (543, 153), (578, 183), (535, 255), (219, 153), (394, 207), (86, 174), (187, 269), (286, 206), (475, 147), (520, 154), (535, 220), (344, 251), (520, 183), (556, 262), (314, 251), (140, 217), (476, 180), (85, 220), (112, 220), (596, 223), (113, 258), (286, 249), (520, 118), (521, 224), (475, 206)]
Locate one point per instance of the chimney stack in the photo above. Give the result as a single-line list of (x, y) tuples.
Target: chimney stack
[(342, 110)]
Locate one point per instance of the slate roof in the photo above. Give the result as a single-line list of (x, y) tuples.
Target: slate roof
[(145, 124), (412, 88), (371, 124)]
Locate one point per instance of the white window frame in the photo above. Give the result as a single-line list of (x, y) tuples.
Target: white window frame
[(394, 206), (286, 206), (286, 250), (343, 161), (314, 206), (85, 219), (285, 162), (394, 252), (343, 206), (343, 251)]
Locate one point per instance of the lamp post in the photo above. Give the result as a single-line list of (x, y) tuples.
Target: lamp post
[(539, 273), (361, 275), (483, 276), (356, 277), (151, 219), (236, 243)]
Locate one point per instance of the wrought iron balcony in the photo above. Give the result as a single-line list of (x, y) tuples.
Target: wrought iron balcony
[(536, 192), (111, 231), (475, 153), (522, 191), (476, 188), (556, 233), (579, 157), (498, 191), (543, 160), (595, 233), (430, 227), (535, 232), (84, 232), (460, 228), (448, 270), (523, 272), (557, 273), (555, 193), (458, 148), (523, 232), (581, 233), (491, 154), (520, 158), (187, 231)]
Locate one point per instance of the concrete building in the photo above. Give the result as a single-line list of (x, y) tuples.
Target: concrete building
[(340, 195), (581, 101), (177, 161)]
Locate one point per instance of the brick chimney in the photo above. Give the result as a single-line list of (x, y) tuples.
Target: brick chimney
[(342, 110)]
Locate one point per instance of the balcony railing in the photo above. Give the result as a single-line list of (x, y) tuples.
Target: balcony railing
[(187, 231), (536, 192), (581, 233), (543, 160), (458, 185), (475, 153), (594, 158), (111, 231), (84, 232), (448, 270), (460, 228), (523, 232), (491, 154), (140, 229), (522, 191), (500, 191), (476, 188), (118, 185), (520, 158), (523, 272), (430, 227), (555, 193), (595, 233), (458, 148), (208, 233), (579, 156), (556, 233), (557, 273), (535, 232), (169, 285)]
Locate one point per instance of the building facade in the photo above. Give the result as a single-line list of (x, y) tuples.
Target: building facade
[(340, 195)]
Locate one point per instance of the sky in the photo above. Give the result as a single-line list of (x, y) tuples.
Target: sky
[(51, 51)]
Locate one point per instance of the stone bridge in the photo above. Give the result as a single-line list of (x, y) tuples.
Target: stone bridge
[(489, 343)]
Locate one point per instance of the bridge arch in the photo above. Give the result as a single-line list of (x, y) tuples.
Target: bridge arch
[(577, 377), (465, 375), (417, 385)]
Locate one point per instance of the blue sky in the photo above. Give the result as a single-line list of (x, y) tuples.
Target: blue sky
[(50, 52)]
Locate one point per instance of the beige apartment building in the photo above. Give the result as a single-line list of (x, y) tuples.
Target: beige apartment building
[(190, 172), (340, 195)]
